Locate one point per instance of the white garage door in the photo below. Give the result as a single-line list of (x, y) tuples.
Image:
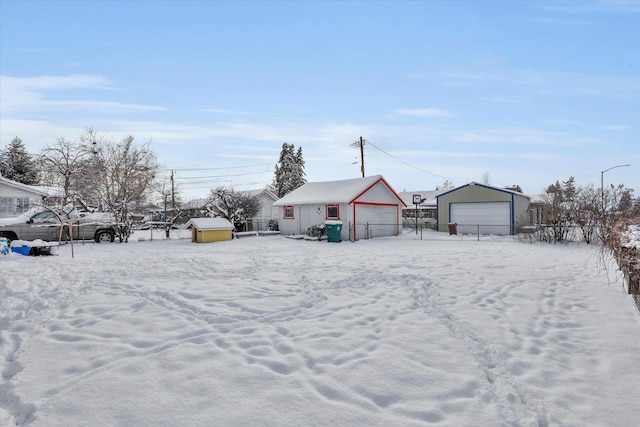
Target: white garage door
[(489, 217), (376, 221)]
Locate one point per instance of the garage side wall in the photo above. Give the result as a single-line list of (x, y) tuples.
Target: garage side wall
[(522, 216)]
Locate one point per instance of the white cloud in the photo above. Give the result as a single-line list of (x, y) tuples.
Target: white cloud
[(521, 136), (550, 82), (54, 82), (615, 128), (560, 21), (35, 133), (20, 94), (597, 6), (422, 112), (224, 111)]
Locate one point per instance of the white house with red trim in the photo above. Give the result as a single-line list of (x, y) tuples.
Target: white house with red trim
[(17, 198), (368, 207)]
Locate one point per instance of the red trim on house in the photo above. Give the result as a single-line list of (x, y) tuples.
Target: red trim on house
[(388, 187), (326, 210), (375, 204), (391, 205), (284, 212)]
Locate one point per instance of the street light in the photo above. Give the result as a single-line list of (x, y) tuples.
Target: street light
[(602, 183)]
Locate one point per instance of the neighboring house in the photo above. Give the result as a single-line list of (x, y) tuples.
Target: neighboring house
[(267, 211), (368, 207), (16, 198), (540, 210), (479, 208), (207, 230), (425, 214)]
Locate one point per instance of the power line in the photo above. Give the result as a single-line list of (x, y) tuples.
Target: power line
[(410, 165), (220, 176), (215, 169)]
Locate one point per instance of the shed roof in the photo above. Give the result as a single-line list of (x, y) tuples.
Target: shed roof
[(210, 224), (344, 191)]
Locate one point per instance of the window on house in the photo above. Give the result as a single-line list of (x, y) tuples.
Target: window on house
[(5, 202), (333, 212), (14, 205), (287, 212), (22, 204)]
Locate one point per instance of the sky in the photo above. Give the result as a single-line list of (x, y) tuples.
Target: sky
[(410, 330), (517, 92)]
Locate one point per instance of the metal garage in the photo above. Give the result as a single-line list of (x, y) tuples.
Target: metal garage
[(482, 209)]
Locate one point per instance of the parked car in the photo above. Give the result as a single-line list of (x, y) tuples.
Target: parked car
[(47, 225)]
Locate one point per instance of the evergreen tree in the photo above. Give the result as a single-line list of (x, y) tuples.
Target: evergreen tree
[(298, 177), (18, 165), (289, 172)]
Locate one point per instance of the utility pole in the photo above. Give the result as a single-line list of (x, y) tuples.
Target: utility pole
[(173, 193), (361, 144)]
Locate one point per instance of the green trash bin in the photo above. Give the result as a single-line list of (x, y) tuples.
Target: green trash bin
[(334, 228)]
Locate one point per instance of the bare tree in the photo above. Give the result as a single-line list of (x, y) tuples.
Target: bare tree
[(486, 178), (64, 163), (587, 212), (172, 203), (616, 203), (235, 206), (124, 173), (559, 199), (584, 213), (446, 185)]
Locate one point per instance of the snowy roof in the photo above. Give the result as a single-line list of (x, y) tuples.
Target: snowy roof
[(343, 191), (259, 192), (538, 198), (210, 224), (24, 187), (51, 191), (504, 190), (429, 197), (195, 203)]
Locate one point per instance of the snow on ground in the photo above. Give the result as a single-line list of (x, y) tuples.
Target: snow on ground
[(269, 331)]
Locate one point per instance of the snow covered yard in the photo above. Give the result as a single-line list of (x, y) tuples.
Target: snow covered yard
[(269, 331)]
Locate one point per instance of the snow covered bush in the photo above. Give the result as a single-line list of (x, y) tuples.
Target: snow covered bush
[(318, 231)]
